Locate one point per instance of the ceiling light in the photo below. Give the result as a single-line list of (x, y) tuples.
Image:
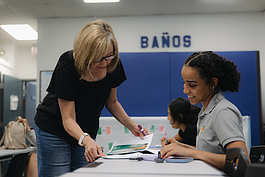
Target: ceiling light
[(100, 1), (21, 31)]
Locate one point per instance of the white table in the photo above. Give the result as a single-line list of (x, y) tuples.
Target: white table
[(6, 154), (128, 168)]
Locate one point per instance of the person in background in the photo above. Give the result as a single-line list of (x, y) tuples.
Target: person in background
[(205, 76), (32, 169), (84, 80), (183, 116)]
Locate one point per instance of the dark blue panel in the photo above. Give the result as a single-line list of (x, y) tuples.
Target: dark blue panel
[(146, 90), (176, 62)]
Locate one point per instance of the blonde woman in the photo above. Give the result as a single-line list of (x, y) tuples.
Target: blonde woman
[(84, 80)]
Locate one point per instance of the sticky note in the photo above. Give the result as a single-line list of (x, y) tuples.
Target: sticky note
[(107, 130), (161, 128), (152, 129), (126, 130), (110, 145), (99, 131)]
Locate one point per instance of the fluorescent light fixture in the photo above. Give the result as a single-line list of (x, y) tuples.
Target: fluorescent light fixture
[(100, 1), (21, 31)]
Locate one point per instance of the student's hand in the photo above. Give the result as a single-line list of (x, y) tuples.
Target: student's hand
[(174, 149), (92, 149), (136, 131), (169, 141)]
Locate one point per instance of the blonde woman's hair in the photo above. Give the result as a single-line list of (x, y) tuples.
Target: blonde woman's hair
[(91, 43)]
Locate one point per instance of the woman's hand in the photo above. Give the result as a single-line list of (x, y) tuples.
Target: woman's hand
[(92, 149), (137, 132)]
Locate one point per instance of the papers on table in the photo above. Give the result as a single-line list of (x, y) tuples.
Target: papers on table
[(124, 156), (134, 147), (130, 145)]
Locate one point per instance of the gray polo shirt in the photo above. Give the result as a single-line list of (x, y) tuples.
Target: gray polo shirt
[(218, 125)]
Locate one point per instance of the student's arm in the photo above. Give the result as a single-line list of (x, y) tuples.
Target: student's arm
[(216, 160), (30, 133), (176, 149), (239, 144), (115, 108), (67, 109), (178, 138)]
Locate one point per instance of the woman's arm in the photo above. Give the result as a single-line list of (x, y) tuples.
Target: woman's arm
[(67, 109), (115, 108)]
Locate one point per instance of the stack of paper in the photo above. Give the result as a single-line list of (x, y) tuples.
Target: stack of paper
[(134, 147)]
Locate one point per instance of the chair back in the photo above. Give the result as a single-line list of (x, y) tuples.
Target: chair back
[(256, 169), (232, 155), (243, 164), (17, 165), (257, 154)]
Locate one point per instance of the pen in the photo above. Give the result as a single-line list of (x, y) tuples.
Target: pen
[(166, 137), (142, 130)]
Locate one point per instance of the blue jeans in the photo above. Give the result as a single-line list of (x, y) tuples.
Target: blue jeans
[(56, 156)]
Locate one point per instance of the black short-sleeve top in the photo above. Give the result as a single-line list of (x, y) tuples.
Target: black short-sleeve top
[(89, 97), (189, 135)]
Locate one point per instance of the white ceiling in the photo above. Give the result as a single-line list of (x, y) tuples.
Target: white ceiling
[(28, 11)]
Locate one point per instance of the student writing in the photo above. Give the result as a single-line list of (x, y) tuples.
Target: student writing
[(183, 116)]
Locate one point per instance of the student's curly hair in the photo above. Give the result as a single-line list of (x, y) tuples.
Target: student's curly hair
[(211, 65), (182, 106)]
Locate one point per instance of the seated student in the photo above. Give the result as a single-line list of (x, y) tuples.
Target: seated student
[(32, 169), (183, 115), (219, 124)]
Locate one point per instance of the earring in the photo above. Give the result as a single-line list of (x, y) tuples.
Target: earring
[(213, 89)]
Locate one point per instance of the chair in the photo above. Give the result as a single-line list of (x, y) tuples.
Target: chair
[(257, 154), (232, 154), (231, 167), (243, 165), (256, 169), (17, 165)]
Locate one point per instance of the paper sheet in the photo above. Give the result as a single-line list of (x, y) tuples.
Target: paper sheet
[(124, 156), (130, 145)]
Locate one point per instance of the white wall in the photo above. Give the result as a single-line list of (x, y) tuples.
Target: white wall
[(26, 64), (18, 62), (217, 32), (7, 61)]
